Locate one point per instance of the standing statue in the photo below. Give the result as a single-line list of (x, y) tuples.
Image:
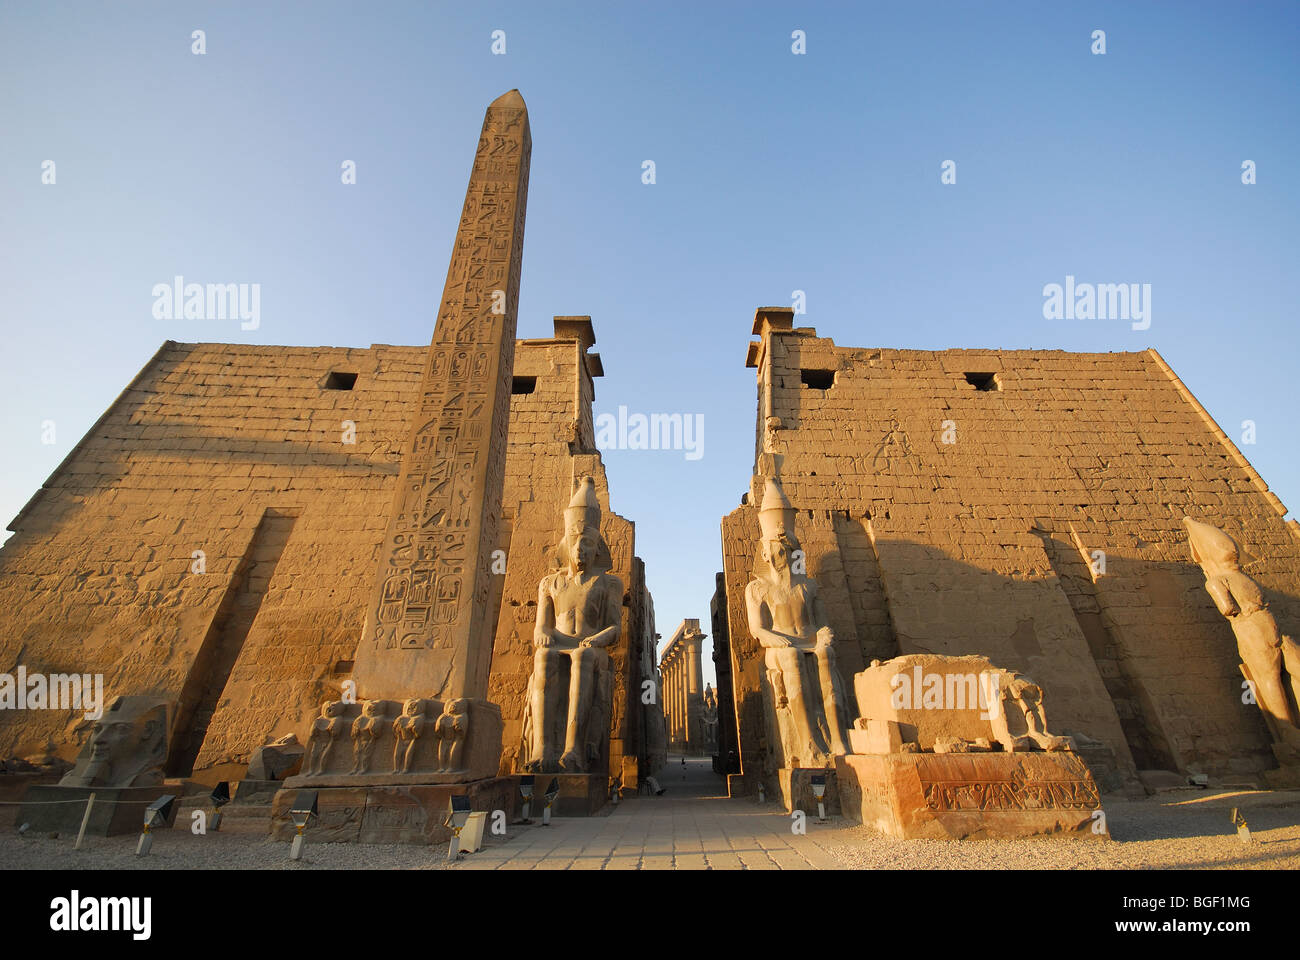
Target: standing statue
[(366, 730), (1271, 661), (325, 730), (450, 730), (579, 615), (407, 730), (788, 619)]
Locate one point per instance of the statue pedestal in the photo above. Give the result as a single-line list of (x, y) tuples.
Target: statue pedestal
[(384, 805), (382, 813), (49, 808), (970, 795)]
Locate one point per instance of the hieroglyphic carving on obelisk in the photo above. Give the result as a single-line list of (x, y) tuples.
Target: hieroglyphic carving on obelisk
[(428, 628)]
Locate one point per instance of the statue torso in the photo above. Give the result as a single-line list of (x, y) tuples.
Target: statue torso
[(791, 607), (580, 607)]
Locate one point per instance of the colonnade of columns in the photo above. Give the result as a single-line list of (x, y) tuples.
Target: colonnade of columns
[(682, 684)]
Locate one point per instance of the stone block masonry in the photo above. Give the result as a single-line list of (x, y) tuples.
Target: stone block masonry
[(122, 563), (1026, 506)]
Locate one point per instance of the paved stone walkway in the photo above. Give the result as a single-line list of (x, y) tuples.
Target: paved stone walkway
[(692, 826)]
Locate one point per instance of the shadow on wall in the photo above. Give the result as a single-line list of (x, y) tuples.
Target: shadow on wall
[(1138, 658)]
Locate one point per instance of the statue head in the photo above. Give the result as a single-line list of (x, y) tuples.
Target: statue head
[(413, 707), (372, 708), (1213, 549), (331, 708), (127, 748), (776, 521), (582, 527)]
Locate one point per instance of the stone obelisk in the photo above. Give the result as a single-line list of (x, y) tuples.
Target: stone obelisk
[(428, 630)]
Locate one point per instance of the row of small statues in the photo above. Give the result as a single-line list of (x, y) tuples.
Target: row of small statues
[(448, 731)]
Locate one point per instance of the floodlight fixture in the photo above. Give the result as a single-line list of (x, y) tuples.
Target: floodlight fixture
[(549, 796), (155, 815), (458, 811), (819, 791), (1238, 821), (219, 797), (305, 806), (526, 783)]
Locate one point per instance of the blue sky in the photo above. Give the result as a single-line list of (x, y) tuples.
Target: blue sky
[(774, 172)]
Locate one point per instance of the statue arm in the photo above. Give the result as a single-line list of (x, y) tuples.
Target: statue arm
[(760, 621), (544, 632), (1217, 587), (612, 615)]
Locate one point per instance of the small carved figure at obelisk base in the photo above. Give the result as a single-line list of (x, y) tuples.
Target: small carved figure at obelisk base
[(325, 730), (366, 730), (450, 730), (1271, 660), (579, 614), (407, 730), (788, 619)]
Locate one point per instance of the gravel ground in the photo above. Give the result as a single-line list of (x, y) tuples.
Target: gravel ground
[(1184, 829), (179, 849)]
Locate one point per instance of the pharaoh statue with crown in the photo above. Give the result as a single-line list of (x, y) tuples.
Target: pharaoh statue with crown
[(787, 618), (579, 615), (1270, 661)]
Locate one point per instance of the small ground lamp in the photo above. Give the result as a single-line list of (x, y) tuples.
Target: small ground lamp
[(526, 791), (219, 797), (762, 794), (304, 808), (1239, 822), (457, 816), (155, 815), (551, 793), (819, 791), (615, 789)]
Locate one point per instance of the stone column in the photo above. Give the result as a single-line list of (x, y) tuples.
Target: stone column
[(683, 695), (672, 704), (695, 704), (683, 699), (429, 629), (677, 702)]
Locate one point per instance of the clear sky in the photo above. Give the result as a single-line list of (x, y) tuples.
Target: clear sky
[(774, 172)]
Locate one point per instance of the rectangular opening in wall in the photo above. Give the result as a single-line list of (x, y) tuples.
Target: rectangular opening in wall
[(338, 380), (523, 384), (817, 379), (984, 381)]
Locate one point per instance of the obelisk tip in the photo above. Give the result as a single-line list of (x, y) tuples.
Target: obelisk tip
[(511, 98)]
